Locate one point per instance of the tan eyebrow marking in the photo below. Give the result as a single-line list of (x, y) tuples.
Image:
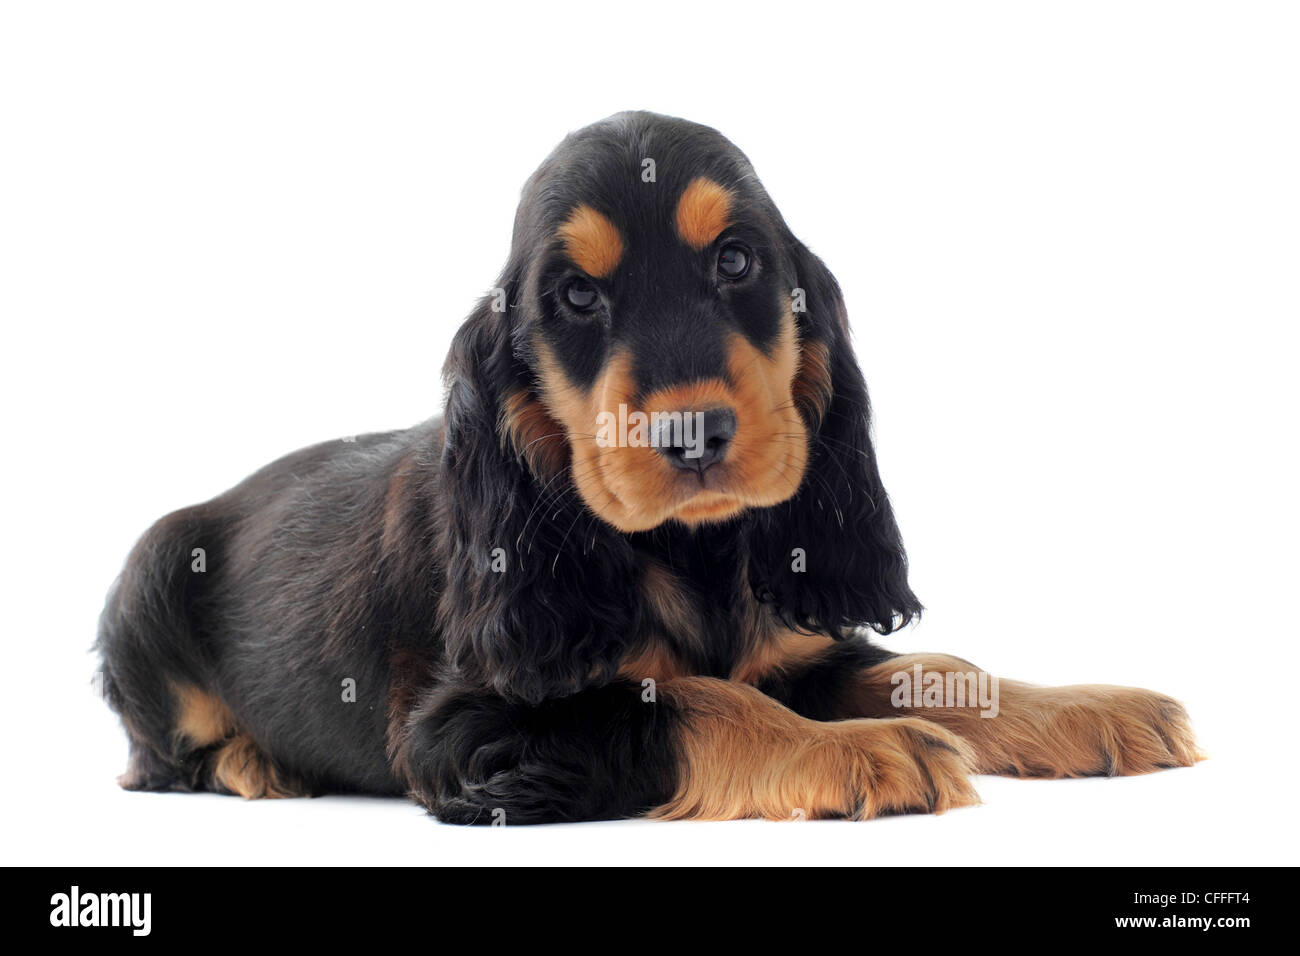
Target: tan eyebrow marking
[(703, 212), (591, 241)]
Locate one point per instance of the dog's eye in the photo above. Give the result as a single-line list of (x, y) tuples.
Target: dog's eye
[(733, 262), (580, 295)]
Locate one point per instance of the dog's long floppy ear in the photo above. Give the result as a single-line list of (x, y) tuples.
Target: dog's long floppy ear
[(532, 586), (832, 556)]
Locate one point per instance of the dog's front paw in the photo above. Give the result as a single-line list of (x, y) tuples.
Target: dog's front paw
[(902, 765), (1141, 731), (1098, 730)]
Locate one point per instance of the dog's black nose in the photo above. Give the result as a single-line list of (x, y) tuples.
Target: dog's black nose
[(698, 440)]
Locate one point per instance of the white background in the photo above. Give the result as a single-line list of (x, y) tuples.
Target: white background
[(1067, 234)]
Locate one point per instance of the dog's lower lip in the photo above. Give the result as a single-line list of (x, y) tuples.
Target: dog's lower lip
[(704, 504)]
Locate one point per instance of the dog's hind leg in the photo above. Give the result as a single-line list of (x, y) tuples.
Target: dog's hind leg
[(182, 735), (147, 651)]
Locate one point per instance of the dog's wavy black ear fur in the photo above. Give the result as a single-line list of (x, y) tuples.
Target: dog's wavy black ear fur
[(832, 557), (535, 594)]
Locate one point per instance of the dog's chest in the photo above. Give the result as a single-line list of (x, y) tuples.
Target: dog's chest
[(709, 627)]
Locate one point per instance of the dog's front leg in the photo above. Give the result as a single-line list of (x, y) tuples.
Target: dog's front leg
[(693, 747), (1013, 728), (743, 754)]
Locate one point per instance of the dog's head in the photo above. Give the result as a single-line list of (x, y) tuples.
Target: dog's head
[(661, 351), (656, 305)]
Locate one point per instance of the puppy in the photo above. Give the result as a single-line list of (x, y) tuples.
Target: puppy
[(632, 569)]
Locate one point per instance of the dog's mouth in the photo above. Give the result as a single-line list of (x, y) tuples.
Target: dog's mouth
[(713, 494), (637, 492)]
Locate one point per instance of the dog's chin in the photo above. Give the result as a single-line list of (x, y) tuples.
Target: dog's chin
[(693, 501), (704, 508), (709, 507)]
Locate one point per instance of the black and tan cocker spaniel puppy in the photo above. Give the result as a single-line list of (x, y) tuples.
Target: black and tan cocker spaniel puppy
[(631, 570)]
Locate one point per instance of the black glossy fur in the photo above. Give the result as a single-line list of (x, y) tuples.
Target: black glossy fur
[(371, 560)]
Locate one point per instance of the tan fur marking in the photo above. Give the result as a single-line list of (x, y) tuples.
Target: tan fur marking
[(535, 436), (1080, 730), (238, 766), (673, 603), (654, 660), (703, 211), (410, 672), (745, 755), (202, 718), (812, 388), (783, 651), (676, 616), (241, 768), (396, 504), (591, 242), (578, 412)]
